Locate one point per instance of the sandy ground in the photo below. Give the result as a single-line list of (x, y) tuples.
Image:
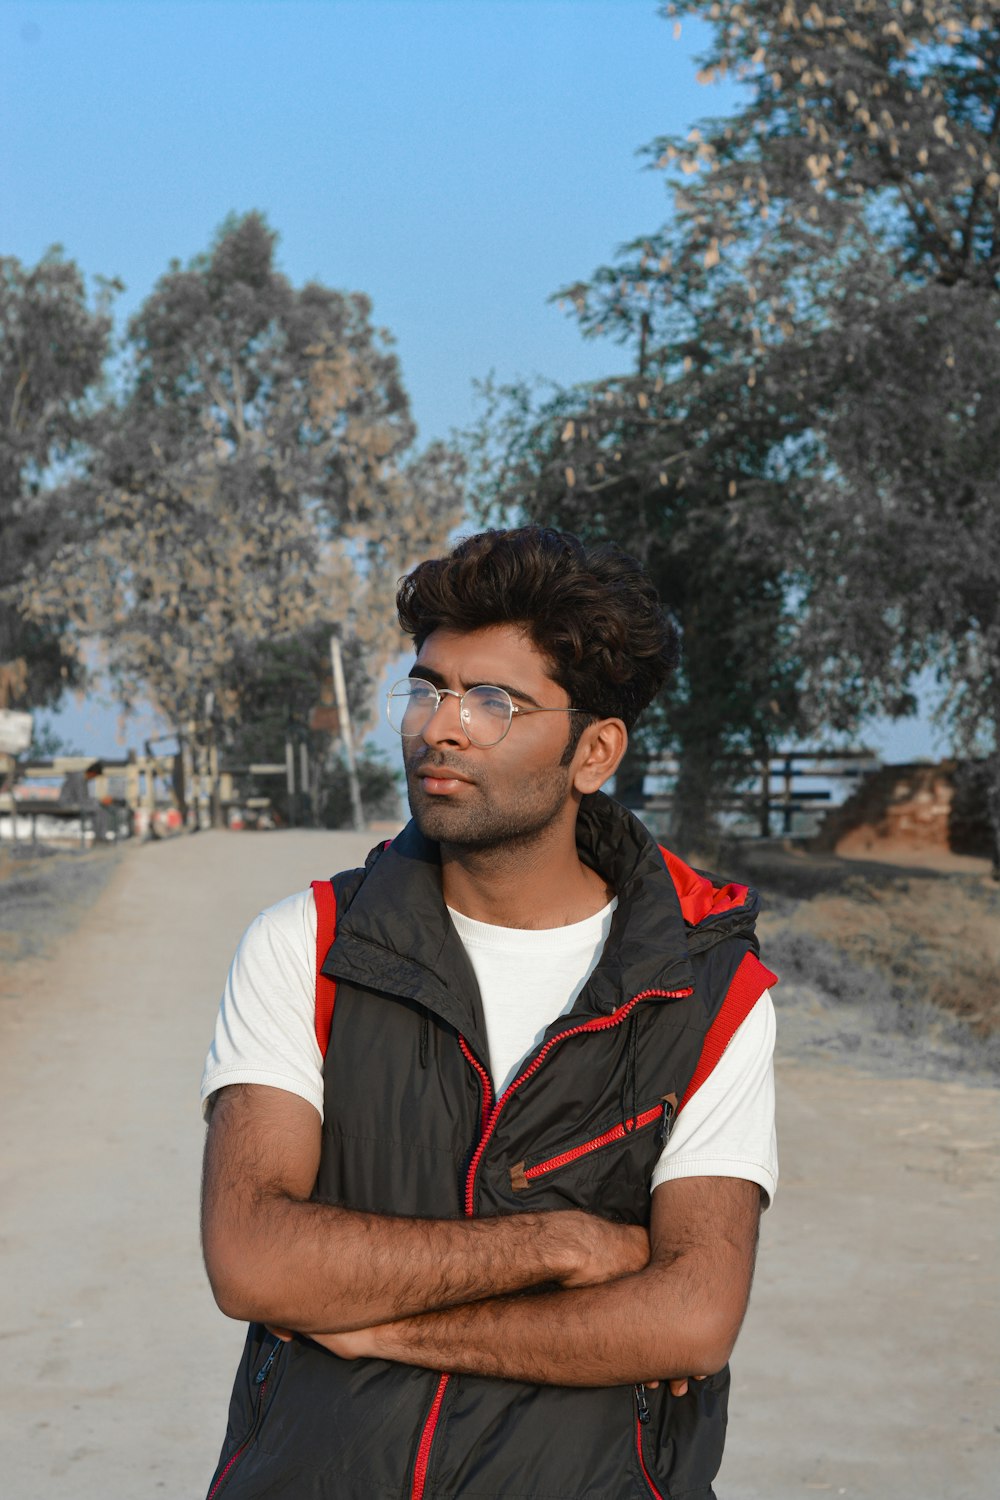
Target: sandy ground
[(867, 1367)]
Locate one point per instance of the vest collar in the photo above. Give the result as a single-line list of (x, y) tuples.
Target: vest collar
[(397, 937)]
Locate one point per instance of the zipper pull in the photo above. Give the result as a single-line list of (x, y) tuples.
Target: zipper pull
[(640, 1397), (261, 1374), (667, 1118)]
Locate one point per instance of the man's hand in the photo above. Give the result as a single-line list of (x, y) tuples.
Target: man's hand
[(607, 1251), (680, 1312), (364, 1343), (679, 1387), (360, 1343)]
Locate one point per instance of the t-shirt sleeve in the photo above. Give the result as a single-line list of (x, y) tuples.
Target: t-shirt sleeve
[(265, 1029), (726, 1129)]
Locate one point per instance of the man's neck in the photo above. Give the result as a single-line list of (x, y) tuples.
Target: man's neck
[(536, 885)]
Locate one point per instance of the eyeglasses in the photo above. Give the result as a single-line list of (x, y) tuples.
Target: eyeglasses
[(486, 713)]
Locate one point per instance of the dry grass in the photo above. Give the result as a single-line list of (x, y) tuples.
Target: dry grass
[(937, 940), (922, 948)]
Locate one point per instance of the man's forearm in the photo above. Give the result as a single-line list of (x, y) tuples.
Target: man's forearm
[(309, 1266), (676, 1316), (654, 1325)]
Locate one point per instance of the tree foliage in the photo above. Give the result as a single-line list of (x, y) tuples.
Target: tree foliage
[(54, 340), (255, 483), (815, 345), (832, 270), (625, 459)]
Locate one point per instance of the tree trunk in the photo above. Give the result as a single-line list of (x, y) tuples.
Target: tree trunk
[(630, 776), (993, 805), (762, 756), (692, 823), (215, 789)]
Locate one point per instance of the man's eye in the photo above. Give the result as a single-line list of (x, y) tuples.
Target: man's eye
[(497, 704), (421, 693)]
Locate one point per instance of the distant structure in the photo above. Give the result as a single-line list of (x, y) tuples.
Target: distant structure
[(919, 806)]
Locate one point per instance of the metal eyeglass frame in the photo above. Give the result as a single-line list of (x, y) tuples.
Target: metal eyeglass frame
[(440, 693)]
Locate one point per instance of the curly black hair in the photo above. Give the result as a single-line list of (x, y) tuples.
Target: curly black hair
[(591, 610)]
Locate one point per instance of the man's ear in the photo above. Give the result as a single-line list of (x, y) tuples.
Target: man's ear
[(598, 754)]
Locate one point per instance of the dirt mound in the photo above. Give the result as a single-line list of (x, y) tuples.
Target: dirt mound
[(906, 810)]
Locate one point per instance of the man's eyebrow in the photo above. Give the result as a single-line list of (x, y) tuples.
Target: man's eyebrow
[(516, 692), (438, 680)]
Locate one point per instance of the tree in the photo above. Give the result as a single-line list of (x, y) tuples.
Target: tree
[(819, 319), (862, 186), (52, 351), (282, 683), (624, 459), (256, 481)]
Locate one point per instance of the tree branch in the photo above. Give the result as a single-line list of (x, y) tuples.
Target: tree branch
[(968, 229)]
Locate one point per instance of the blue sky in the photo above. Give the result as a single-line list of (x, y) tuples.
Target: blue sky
[(458, 160)]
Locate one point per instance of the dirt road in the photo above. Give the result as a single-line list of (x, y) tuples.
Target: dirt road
[(868, 1364)]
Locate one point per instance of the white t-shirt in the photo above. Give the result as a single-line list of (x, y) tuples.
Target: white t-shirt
[(265, 1031)]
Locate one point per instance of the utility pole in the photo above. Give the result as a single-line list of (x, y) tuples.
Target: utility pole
[(191, 797), (305, 790), (212, 763), (340, 693), (290, 780)]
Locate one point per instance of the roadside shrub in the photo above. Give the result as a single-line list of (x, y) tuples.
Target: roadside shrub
[(380, 790)]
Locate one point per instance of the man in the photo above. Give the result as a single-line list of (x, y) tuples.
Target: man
[(486, 1243)]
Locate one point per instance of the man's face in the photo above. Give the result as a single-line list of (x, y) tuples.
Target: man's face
[(474, 797)]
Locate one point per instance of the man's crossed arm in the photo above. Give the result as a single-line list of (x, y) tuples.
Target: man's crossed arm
[(275, 1257), (437, 1293)]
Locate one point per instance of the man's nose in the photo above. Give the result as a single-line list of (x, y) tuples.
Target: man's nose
[(445, 725)]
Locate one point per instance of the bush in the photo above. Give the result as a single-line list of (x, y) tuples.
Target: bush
[(380, 786)]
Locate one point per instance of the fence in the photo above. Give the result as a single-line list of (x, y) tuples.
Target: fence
[(85, 799), (770, 793)]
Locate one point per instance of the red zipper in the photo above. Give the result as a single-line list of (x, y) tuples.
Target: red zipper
[(599, 1023), (642, 1462), (426, 1439), (490, 1114), (235, 1459), (616, 1133), (261, 1381), (431, 1420), (484, 1079)]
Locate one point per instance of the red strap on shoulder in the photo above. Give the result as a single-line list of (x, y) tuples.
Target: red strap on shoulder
[(326, 928), (749, 983)]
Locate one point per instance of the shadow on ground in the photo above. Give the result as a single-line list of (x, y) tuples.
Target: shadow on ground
[(45, 893)]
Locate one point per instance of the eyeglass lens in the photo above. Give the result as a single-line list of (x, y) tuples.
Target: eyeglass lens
[(485, 711)]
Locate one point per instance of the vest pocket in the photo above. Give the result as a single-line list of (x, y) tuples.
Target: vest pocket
[(677, 1441), (261, 1383), (524, 1173)]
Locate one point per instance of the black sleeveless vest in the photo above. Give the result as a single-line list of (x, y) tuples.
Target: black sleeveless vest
[(412, 1127)]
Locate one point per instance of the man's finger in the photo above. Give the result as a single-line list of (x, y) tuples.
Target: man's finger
[(679, 1387), (280, 1333)]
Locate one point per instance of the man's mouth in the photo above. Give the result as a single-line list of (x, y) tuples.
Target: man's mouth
[(439, 781)]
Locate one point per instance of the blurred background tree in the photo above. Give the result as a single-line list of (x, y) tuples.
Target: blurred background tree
[(252, 487), (804, 447), (54, 341), (799, 444), (627, 459), (283, 684)]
